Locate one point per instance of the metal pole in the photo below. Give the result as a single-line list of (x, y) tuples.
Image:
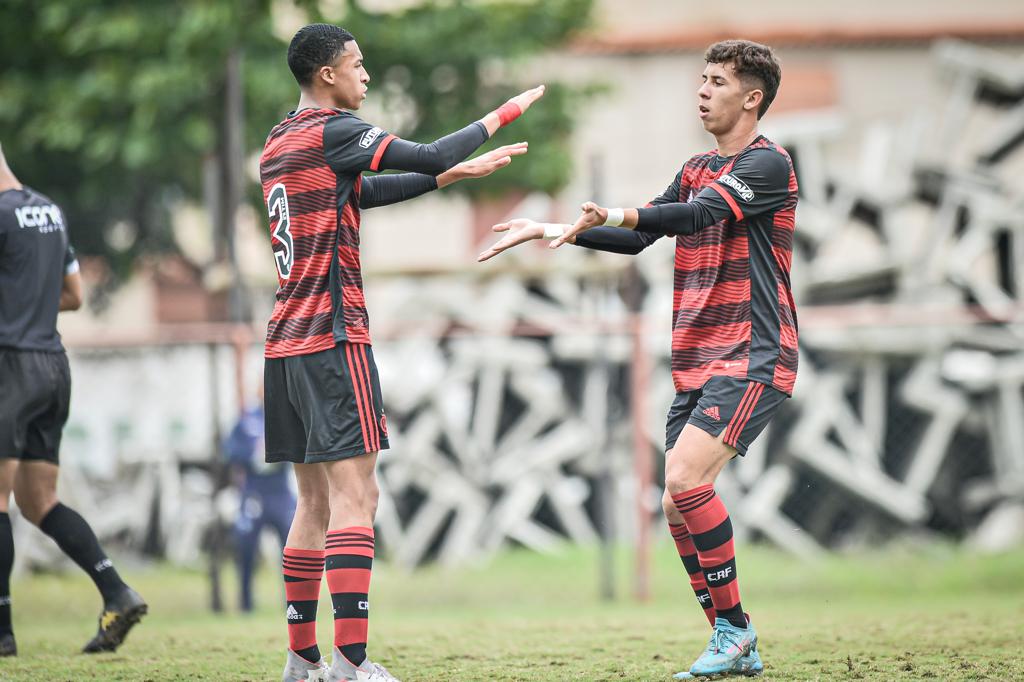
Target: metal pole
[(215, 534), (233, 146), (642, 468), (606, 479), (633, 294)]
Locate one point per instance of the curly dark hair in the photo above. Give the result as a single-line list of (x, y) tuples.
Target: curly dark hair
[(314, 46), (755, 64)]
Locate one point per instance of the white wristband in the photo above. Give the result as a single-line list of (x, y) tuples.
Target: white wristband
[(616, 216), (553, 231)]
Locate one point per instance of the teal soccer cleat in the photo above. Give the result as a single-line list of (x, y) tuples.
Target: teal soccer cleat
[(749, 666), (726, 648)]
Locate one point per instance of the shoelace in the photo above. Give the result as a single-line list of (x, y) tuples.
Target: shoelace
[(381, 673), (720, 641)]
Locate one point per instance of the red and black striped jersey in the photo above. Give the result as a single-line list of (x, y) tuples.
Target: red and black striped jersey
[(733, 311), (311, 170)]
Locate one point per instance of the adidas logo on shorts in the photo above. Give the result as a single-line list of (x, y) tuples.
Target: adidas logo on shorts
[(713, 413)]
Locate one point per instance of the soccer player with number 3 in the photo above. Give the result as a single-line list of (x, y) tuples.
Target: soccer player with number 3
[(734, 332), (324, 410)]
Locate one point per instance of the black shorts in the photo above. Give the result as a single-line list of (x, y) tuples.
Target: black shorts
[(35, 395), (738, 407), (323, 406)]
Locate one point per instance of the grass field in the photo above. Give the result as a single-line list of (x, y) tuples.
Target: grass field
[(934, 613)]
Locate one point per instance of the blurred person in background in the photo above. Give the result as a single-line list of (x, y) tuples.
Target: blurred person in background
[(734, 338), (39, 277), (265, 492), (324, 411)]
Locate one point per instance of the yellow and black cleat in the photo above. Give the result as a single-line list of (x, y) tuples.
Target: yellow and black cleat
[(118, 617)]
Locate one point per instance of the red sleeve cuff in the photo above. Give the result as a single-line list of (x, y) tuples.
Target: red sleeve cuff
[(736, 211), (379, 154)]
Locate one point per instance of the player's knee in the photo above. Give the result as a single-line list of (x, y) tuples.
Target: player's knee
[(33, 507), (668, 506), (680, 479), (357, 499)]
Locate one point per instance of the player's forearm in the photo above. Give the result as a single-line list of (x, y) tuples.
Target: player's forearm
[(71, 291), (384, 190), (438, 156), (677, 218), (69, 301), (615, 240)]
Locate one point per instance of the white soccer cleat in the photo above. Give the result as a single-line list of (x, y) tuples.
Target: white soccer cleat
[(342, 670), (298, 669)]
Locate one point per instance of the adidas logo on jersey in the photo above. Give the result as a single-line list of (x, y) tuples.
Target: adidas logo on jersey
[(713, 413), (745, 192), (292, 613)]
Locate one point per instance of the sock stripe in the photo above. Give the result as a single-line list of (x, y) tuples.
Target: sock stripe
[(307, 589), (302, 571), (349, 561), (716, 537), (350, 580), (297, 566), (679, 532), (692, 499), (691, 564)]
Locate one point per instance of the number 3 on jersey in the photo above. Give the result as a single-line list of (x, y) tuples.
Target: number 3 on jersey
[(277, 205)]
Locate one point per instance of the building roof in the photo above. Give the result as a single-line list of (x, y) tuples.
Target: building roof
[(810, 36)]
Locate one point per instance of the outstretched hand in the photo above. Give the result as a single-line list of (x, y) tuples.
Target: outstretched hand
[(519, 230), (524, 99), (483, 165), (591, 215)]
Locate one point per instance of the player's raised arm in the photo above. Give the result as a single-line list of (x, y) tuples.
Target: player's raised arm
[(383, 190), (443, 154), (757, 183), (352, 145)]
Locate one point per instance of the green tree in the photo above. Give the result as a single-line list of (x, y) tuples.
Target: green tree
[(116, 109)]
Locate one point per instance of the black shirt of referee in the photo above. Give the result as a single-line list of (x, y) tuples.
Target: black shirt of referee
[(35, 256), (38, 278)]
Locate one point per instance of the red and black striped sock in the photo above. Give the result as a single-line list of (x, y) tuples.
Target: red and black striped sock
[(711, 529), (349, 562), (688, 553), (302, 569)]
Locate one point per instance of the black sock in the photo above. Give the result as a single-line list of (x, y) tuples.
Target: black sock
[(76, 539), (6, 564)]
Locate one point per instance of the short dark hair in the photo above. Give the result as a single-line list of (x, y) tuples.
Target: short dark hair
[(314, 46), (755, 64)]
